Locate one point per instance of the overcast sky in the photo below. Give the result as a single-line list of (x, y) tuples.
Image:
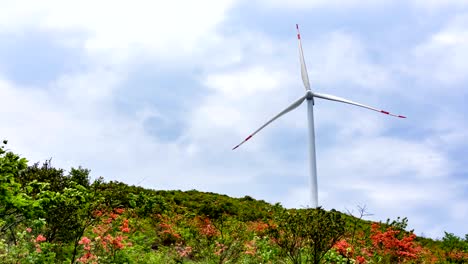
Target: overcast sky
[(156, 93)]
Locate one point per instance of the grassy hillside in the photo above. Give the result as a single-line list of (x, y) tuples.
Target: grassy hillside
[(49, 215)]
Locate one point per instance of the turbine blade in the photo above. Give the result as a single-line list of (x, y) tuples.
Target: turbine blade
[(346, 101), (288, 109), (305, 76)]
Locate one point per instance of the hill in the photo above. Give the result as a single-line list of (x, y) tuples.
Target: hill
[(49, 215)]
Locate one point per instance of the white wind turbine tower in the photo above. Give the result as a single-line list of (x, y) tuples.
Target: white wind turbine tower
[(309, 96)]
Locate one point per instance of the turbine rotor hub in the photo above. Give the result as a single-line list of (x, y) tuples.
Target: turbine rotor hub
[(309, 95)]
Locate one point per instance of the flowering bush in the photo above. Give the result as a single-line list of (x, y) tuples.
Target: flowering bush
[(387, 244), (206, 227), (344, 248), (258, 227), (27, 249), (167, 230), (107, 238)]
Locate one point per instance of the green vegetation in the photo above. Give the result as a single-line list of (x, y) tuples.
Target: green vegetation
[(49, 215)]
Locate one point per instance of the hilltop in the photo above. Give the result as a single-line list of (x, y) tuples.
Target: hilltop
[(49, 215)]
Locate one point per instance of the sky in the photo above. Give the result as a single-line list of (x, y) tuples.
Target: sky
[(156, 94)]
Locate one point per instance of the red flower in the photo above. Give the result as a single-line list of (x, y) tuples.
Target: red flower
[(117, 242), (360, 260), (40, 238), (119, 210), (87, 257), (258, 227), (220, 248), (84, 241), (114, 216), (97, 213), (344, 248), (184, 251), (251, 248), (168, 229), (206, 228), (124, 228)]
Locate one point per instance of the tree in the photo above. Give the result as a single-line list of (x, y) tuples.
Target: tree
[(66, 202), (306, 235), (456, 248), (14, 204), (46, 173)]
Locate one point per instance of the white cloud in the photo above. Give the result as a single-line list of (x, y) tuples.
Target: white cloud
[(442, 57), (118, 30), (342, 58), (379, 157), (88, 131), (237, 104), (73, 112), (448, 128), (245, 83)]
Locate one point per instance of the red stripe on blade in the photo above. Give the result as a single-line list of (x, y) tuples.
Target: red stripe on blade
[(297, 26), (242, 142), (400, 116), (298, 36), (385, 112)]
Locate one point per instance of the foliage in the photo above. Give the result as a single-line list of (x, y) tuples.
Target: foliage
[(333, 256), (15, 204), (66, 203), (49, 215), (29, 248), (456, 249)]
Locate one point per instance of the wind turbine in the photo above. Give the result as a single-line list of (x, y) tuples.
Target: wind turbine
[(309, 97)]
